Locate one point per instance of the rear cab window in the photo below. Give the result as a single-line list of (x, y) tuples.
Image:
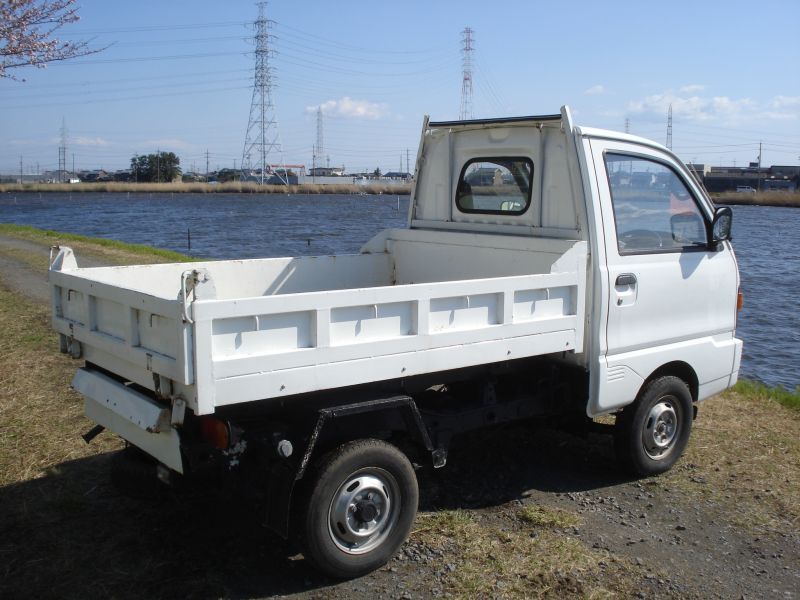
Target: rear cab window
[(496, 186), (654, 210)]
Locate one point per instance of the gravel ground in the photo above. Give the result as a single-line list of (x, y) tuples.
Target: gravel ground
[(666, 537)]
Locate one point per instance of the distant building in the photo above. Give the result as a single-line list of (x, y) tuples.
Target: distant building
[(397, 175), (326, 171)]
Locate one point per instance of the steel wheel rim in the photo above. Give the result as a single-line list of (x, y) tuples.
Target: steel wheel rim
[(660, 430), (364, 510)]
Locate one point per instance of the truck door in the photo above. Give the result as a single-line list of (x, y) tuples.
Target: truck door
[(670, 295)]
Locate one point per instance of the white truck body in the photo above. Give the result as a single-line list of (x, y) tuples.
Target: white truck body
[(459, 287)]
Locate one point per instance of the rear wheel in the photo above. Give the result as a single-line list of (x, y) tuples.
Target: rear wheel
[(651, 434), (359, 508)]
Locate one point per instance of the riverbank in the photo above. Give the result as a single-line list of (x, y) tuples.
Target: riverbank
[(518, 512), (230, 187), (237, 187), (783, 199)]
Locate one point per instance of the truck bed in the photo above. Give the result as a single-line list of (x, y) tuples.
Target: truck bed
[(412, 302)]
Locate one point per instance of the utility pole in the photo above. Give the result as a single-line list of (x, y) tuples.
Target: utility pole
[(20, 170), (669, 128), (62, 152), (206, 164), (408, 169), (73, 166), (758, 173), (320, 133), (313, 164)]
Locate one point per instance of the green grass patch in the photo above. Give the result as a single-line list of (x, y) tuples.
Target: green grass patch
[(788, 398), (53, 237)]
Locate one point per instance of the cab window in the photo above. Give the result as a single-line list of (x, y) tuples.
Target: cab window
[(653, 208), (498, 185)]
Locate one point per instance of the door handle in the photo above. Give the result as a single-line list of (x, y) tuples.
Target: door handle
[(626, 279)]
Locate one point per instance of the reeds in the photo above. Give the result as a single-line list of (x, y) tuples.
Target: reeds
[(758, 199), (230, 187)]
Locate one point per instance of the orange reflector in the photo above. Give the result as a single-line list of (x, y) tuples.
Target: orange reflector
[(739, 301), (215, 432)]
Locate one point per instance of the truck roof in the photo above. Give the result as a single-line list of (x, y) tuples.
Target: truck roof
[(496, 121), (617, 135)]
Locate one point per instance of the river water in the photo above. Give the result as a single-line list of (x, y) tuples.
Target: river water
[(223, 226)]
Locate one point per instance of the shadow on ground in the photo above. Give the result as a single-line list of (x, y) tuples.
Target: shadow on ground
[(70, 534)]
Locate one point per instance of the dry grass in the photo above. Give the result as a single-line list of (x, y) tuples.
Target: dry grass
[(744, 452), (234, 187), (40, 416), (759, 199), (527, 553)]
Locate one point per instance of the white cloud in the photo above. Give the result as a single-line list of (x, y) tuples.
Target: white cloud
[(717, 108), (779, 102), (692, 88), (595, 90), (86, 141), (694, 108), (350, 108)]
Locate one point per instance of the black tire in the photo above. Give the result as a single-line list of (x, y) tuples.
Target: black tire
[(651, 434), (359, 507)]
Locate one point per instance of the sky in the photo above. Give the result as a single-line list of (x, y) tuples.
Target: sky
[(177, 76)]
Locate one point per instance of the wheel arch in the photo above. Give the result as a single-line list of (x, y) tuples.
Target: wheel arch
[(680, 369)]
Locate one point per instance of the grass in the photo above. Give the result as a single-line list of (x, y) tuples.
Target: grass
[(234, 187), (754, 389), (118, 249), (39, 413), (523, 552), (745, 452)]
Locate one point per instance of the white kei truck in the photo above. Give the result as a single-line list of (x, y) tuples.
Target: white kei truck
[(546, 270)]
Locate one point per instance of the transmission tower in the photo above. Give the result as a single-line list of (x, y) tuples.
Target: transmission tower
[(62, 152), (669, 127), (627, 125), (261, 138), (466, 83)]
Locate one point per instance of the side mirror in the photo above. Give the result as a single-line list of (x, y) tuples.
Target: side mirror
[(721, 226)]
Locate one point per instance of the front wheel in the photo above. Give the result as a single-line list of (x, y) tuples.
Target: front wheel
[(651, 434), (359, 508)]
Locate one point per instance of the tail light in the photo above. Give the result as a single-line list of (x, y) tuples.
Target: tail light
[(216, 432)]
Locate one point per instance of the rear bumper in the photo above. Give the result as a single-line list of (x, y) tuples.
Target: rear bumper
[(131, 415)]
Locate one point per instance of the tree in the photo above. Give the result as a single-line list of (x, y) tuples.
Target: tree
[(158, 167), (26, 34)]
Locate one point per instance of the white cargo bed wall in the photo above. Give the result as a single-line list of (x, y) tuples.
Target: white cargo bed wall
[(136, 331), (279, 345), (129, 320)]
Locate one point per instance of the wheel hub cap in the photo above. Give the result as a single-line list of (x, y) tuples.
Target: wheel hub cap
[(660, 429), (363, 511)]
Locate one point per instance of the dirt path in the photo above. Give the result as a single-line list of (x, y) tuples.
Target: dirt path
[(516, 513)]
